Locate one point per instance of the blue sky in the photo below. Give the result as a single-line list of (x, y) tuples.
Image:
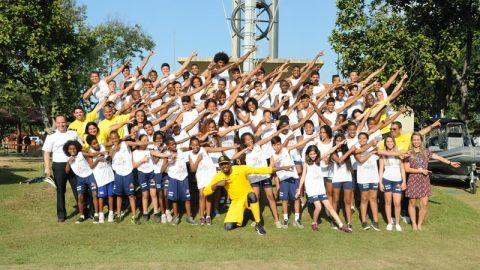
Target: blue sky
[(201, 25)]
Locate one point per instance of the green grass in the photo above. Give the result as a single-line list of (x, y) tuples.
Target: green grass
[(30, 237)]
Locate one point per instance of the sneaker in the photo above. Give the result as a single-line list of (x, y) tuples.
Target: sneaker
[(278, 225), (298, 224), (398, 227), (349, 227), (118, 220), (406, 219), (164, 218), (96, 219), (191, 221), (389, 227), (352, 209), (365, 226), (175, 220), (346, 229), (333, 225), (135, 221), (285, 223), (146, 217), (260, 230), (157, 218), (253, 224), (202, 221), (375, 226), (110, 217), (80, 220), (315, 226), (208, 220), (122, 214), (101, 218), (169, 216)]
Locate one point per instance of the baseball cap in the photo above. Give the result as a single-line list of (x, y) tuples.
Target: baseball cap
[(223, 160)]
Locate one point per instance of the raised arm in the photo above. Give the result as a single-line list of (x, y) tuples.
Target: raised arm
[(143, 63), (372, 75), (185, 65), (117, 71)]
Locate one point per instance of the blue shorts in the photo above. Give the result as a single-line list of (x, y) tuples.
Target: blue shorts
[(267, 183), (327, 179), (288, 189), (106, 190), (158, 180), (123, 185), (392, 186), (178, 190), (165, 181), (146, 181), (85, 183), (298, 162), (367, 187), (317, 198), (343, 185)]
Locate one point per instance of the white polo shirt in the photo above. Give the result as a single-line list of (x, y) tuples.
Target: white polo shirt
[(54, 144)]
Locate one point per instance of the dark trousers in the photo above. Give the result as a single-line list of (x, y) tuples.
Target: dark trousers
[(60, 178)]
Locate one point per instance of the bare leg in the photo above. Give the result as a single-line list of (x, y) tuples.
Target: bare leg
[(372, 198), (272, 203), (285, 207), (100, 205), (95, 202), (188, 208), (316, 212), (110, 203), (201, 203), (363, 206), (423, 211), (208, 203), (131, 199), (119, 205), (331, 196), (397, 203), (412, 212), (175, 208), (161, 203), (388, 207), (153, 195), (80, 203), (334, 214), (336, 198), (347, 197)]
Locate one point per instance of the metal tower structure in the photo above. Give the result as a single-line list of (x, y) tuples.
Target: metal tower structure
[(253, 20)]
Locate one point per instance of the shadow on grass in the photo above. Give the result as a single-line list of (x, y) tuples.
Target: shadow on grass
[(8, 175)]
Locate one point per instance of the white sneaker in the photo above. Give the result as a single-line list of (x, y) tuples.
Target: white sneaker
[(389, 227), (253, 224), (111, 217), (406, 219), (278, 225), (169, 216), (398, 227), (101, 217), (164, 218)]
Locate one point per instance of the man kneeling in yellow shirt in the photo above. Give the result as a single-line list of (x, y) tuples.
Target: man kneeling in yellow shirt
[(234, 179)]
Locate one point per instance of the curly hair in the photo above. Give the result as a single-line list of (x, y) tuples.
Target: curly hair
[(221, 56), (75, 143)]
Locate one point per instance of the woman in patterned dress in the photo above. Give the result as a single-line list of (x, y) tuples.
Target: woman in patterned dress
[(418, 184)]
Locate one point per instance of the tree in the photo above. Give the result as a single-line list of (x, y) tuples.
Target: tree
[(434, 40), (47, 52)]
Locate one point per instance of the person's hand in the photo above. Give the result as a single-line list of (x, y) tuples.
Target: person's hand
[(194, 53), (70, 159), (144, 159), (455, 164), (436, 124), (297, 194), (380, 186), (404, 186), (220, 183), (48, 172), (152, 52), (404, 155), (424, 171)]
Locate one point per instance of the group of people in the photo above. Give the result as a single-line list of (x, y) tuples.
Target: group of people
[(231, 134)]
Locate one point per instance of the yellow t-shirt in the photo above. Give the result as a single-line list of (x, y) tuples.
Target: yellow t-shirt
[(79, 126), (105, 125), (101, 138), (383, 116), (237, 184), (403, 142)]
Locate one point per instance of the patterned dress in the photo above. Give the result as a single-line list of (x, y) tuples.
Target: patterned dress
[(418, 185)]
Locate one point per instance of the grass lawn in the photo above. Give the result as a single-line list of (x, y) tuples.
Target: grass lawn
[(30, 237)]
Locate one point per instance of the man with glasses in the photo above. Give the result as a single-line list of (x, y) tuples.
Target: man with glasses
[(402, 140)]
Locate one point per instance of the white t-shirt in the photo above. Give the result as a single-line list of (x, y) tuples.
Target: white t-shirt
[(103, 172), (255, 158), (178, 170), (54, 144), (80, 166), (146, 167), (294, 152), (284, 159), (188, 118), (205, 170), (340, 172), (314, 184), (257, 117), (327, 167), (350, 143), (228, 140), (367, 172), (122, 160), (332, 117), (101, 90), (392, 171), (267, 147)]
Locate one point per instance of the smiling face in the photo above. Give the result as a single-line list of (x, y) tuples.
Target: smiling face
[(296, 72), (284, 86), (61, 123), (95, 145), (251, 106), (277, 147), (196, 82), (331, 106), (323, 134), (389, 143), (352, 131), (312, 155), (239, 102), (369, 100), (94, 77), (165, 70), (248, 141), (308, 127), (172, 146), (226, 168), (315, 79), (72, 150), (395, 130), (353, 76), (126, 72), (148, 129), (114, 138), (226, 118), (92, 130), (362, 139), (195, 146), (416, 140), (195, 70), (140, 116), (79, 114)]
